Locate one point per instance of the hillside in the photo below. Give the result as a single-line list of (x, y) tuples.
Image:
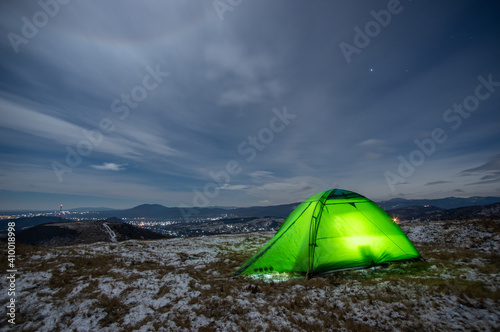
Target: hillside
[(31, 221), (163, 212), (185, 284), (443, 203), (69, 233), (435, 213)]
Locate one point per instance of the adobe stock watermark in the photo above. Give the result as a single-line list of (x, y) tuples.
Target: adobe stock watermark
[(30, 28), (248, 148), (93, 138), (363, 38), (223, 6), (453, 116), (11, 272)]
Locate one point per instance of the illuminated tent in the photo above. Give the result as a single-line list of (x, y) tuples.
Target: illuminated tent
[(332, 230)]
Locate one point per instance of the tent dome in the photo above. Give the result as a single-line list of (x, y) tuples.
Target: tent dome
[(332, 230)]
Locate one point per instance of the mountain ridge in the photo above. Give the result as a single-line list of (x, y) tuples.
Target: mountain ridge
[(283, 210), (157, 211), (444, 203)]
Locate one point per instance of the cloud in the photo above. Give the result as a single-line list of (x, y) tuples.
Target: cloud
[(225, 80), (436, 182), (377, 148), (248, 75), (250, 94), (88, 182), (491, 165), (371, 142), (234, 187), (23, 119), (233, 60), (127, 142), (260, 174), (109, 167), (276, 186), (488, 172), (372, 156), (278, 191), (490, 177)]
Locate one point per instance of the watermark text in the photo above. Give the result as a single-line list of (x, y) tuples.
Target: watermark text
[(11, 272), (453, 116)]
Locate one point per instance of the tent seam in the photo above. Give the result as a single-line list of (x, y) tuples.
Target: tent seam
[(382, 232), (272, 244), (321, 201)]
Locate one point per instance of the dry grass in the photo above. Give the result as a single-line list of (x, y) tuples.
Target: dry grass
[(114, 309), (190, 284)]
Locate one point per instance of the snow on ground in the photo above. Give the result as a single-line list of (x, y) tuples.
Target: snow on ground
[(186, 284)]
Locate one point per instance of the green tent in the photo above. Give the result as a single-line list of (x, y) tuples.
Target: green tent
[(332, 230)]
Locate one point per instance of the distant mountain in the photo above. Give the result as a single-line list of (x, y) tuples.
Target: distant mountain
[(436, 213), (163, 212), (410, 208), (415, 212), (444, 203), (85, 209)]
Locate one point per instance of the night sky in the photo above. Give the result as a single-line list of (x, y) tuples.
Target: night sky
[(246, 102)]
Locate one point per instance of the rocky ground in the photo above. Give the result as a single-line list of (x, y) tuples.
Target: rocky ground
[(186, 284)]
